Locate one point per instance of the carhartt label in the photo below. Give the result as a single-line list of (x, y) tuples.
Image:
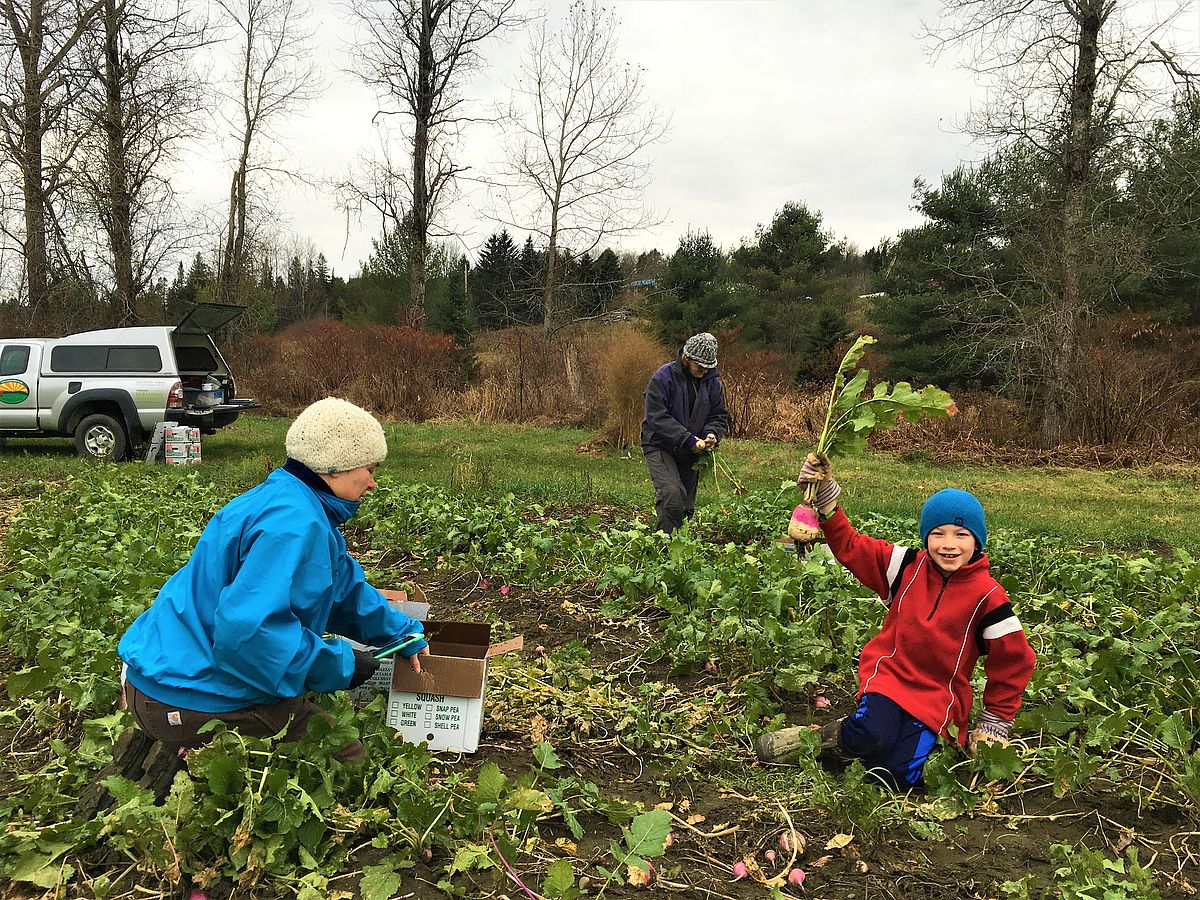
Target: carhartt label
[(174, 718)]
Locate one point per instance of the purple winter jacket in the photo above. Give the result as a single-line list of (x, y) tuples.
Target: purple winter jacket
[(669, 425)]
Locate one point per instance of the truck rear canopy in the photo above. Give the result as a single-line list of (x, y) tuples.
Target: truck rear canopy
[(205, 318)]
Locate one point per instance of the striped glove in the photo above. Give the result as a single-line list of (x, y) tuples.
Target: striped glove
[(819, 471), (990, 729)]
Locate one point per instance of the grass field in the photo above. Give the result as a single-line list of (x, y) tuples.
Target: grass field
[(617, 747), (1133, 509)]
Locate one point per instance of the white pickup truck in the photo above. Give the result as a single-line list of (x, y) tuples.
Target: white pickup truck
[(109, 389)]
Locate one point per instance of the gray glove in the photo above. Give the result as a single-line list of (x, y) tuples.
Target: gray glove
[(990, 729), (817, 470)]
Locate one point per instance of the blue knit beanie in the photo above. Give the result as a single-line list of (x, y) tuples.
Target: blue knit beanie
[(953, 507)]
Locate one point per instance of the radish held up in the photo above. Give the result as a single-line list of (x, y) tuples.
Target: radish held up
[(853, 414)]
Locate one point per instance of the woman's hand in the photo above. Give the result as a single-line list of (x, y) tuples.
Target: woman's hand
[(415, 659)]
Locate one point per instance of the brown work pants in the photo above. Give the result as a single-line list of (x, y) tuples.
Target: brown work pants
[(179, 728)]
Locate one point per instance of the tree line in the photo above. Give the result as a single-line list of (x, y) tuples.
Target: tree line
[(98, 100), (1083, 207)]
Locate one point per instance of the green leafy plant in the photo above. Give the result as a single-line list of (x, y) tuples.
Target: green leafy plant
[(644, 839), (853, 414), (1086, 874)]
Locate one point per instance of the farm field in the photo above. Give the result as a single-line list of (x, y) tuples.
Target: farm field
[(631, 713)]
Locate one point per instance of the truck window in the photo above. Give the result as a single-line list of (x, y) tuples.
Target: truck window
[(84, 358), (14, 360), (79, 359), (195, 359), (134, 359)]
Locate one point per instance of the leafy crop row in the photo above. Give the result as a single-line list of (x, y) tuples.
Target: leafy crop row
[(1114, 698)]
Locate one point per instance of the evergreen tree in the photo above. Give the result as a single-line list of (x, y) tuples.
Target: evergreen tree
[(694, 292), (1164, 188), (493, 283), (380, 292), (788, 268), (648, 264), (528, 294), (608, 280), (450, 305), (930, 283), (179, 297), (579, 280), (819, 356)]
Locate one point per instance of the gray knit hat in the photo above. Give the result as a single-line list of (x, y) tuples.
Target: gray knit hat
[(334, 435), (702, 349)]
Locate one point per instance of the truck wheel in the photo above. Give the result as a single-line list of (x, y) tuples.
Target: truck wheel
[(100, 436)]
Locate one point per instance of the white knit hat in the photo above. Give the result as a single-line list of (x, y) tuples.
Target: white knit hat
[(334, 435)]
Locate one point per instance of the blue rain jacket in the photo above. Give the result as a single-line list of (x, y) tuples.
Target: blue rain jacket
[(243, 622)]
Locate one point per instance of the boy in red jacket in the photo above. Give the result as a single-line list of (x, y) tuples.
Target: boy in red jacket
[(944, 612)]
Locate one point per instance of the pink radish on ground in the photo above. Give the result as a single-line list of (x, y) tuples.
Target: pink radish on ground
[(740, 870), (770, 855), (821, 702), (796, 877)]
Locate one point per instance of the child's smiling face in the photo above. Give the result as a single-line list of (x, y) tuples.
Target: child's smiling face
[(950, 547)]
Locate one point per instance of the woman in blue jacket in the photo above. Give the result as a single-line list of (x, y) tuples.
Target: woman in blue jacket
[(238, 634)]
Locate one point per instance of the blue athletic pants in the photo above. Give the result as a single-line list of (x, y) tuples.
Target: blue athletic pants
[(892, 744)]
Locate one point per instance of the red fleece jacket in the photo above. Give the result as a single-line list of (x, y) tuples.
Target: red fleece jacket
[(935, 630)]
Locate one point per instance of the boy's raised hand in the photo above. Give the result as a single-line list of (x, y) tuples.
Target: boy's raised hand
[(817, 470)]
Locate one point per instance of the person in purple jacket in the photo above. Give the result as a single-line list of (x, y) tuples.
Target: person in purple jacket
[(685, 415)]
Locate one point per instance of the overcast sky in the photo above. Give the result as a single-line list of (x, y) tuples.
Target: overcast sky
[(833, 103)]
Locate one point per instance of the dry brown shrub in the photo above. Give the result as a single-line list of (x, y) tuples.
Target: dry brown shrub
[(525, 376), (1140, 387), (1141, 392), (759, 391), (982, 419), (401, 373), (625, 358)]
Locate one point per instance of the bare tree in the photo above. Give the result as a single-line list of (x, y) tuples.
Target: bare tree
[(417, 54), (39, 87), (275, 75), (1071, 93), (581, 127), (142, 100), (379, 185)]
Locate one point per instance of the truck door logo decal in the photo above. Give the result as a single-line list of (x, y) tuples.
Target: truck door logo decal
[(13, 391)]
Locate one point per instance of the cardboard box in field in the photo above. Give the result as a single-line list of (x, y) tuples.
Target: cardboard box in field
[(443, 706)]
